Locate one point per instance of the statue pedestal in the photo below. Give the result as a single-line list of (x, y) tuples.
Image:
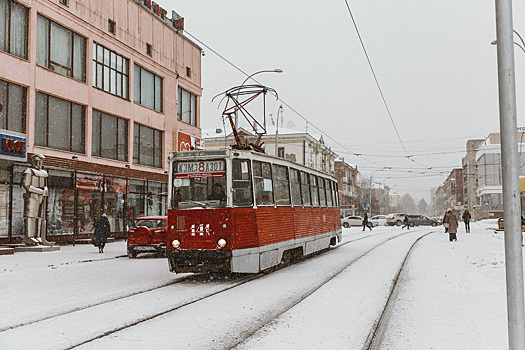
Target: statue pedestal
[(36, 248)]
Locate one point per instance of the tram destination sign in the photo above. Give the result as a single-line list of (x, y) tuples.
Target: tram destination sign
[(212, 168)]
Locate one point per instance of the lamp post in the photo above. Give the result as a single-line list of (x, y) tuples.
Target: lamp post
[(370, 207), (276, 70)]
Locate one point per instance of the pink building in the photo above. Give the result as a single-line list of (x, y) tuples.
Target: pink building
[(104, 90)]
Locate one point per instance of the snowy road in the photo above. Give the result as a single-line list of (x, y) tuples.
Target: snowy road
[(329, 301)]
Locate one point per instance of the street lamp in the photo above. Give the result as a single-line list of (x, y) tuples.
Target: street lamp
[(522, 46)]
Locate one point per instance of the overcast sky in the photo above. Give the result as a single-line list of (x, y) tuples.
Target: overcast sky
[(433, 60)]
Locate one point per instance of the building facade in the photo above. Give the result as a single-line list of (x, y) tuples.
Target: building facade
[(470, 175), (347, 183), (104, 90), (453, 190)]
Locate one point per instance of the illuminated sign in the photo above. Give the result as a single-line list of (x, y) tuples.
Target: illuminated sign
[(13, 146)]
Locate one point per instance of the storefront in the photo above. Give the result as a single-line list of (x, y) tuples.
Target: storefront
[(78, 197)]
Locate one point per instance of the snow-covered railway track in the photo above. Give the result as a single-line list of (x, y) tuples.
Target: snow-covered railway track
[(374, 339)]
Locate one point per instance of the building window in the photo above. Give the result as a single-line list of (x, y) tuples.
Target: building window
[(110, 71), (65, 53), (59, 124), (280, 152), (186, 107), (13, 114), (147, 146), (147, 89), (188, 72), (64, 2), (112, 26), (110, 136), (149, 49), (13, 28)]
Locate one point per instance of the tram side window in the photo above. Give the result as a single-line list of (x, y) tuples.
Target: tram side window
[(281, 185), (295, 180), (335, 194), (241, 183), (262, 176), (305, 188), (329, 202), (315, 190), (322, 193)]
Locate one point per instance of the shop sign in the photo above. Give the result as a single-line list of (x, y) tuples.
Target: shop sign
[(187, 142), (160, 12), (13, 146), (116, 185), (89, 182)]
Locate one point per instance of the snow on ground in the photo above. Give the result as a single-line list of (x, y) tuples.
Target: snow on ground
[(453, 294)]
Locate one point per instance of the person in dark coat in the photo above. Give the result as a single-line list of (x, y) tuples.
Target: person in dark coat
[(406, 223), (366, 223), (466, 219), (452, 221), (102, 231), (444, 218)]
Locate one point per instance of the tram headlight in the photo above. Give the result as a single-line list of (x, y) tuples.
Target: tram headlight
[(221, 243), (172, 227), (223, 225), (175, 244)]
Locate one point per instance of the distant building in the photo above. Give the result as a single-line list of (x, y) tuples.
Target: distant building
[(347, 183), (296, 146), (453, 190), (470, 175)]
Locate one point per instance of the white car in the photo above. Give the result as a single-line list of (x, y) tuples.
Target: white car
[(381, 220), (356, 221)]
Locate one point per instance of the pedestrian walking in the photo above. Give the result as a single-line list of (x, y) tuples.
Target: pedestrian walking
[(102, 231), (452, 221), (366, 223), (406, 223), (466, 219), (445, 224)]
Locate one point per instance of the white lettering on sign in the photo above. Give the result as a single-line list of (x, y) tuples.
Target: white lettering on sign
[(200, 167)]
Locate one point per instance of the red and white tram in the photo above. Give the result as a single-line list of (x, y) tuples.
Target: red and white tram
[(246, 211)]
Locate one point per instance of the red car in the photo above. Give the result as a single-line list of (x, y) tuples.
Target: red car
[(147, 235)]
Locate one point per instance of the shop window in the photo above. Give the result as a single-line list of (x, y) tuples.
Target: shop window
[(13, 28), (147, 146), (109, 137), (147, 88), (186, 107), (13, 114), (59, 124), (60, 49), (110, 71)]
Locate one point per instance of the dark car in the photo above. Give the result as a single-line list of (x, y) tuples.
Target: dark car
[(148, 234), (417, 220)]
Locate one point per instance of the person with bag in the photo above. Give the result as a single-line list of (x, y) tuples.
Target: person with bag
[(102, 231), (466, 219), (452, 220)]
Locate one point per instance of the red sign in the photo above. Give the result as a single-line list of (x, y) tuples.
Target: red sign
[(13, 146), (89, 182), (187, 142)]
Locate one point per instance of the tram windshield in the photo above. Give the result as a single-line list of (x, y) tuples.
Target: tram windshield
[(199, 184)]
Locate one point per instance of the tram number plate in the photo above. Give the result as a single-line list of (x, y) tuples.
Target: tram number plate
[(200, 167)]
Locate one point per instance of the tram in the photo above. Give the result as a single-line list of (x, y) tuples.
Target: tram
[(244, 211)]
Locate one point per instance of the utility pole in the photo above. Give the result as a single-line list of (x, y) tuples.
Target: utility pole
[(510, 176)]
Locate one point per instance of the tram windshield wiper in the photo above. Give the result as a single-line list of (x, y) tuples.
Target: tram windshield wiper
[(202, 205)]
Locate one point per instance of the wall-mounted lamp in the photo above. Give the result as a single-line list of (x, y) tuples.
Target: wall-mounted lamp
[(127, 166), (74, 158)]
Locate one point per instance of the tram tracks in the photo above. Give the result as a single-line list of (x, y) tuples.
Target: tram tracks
[(192, 282)]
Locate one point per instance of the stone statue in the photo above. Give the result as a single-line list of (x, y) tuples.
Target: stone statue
[(35, 182)]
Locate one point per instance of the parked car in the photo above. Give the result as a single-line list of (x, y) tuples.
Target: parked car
[(356, 221), (395, 219), (417, 220), (380, 219), (148, 234)]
